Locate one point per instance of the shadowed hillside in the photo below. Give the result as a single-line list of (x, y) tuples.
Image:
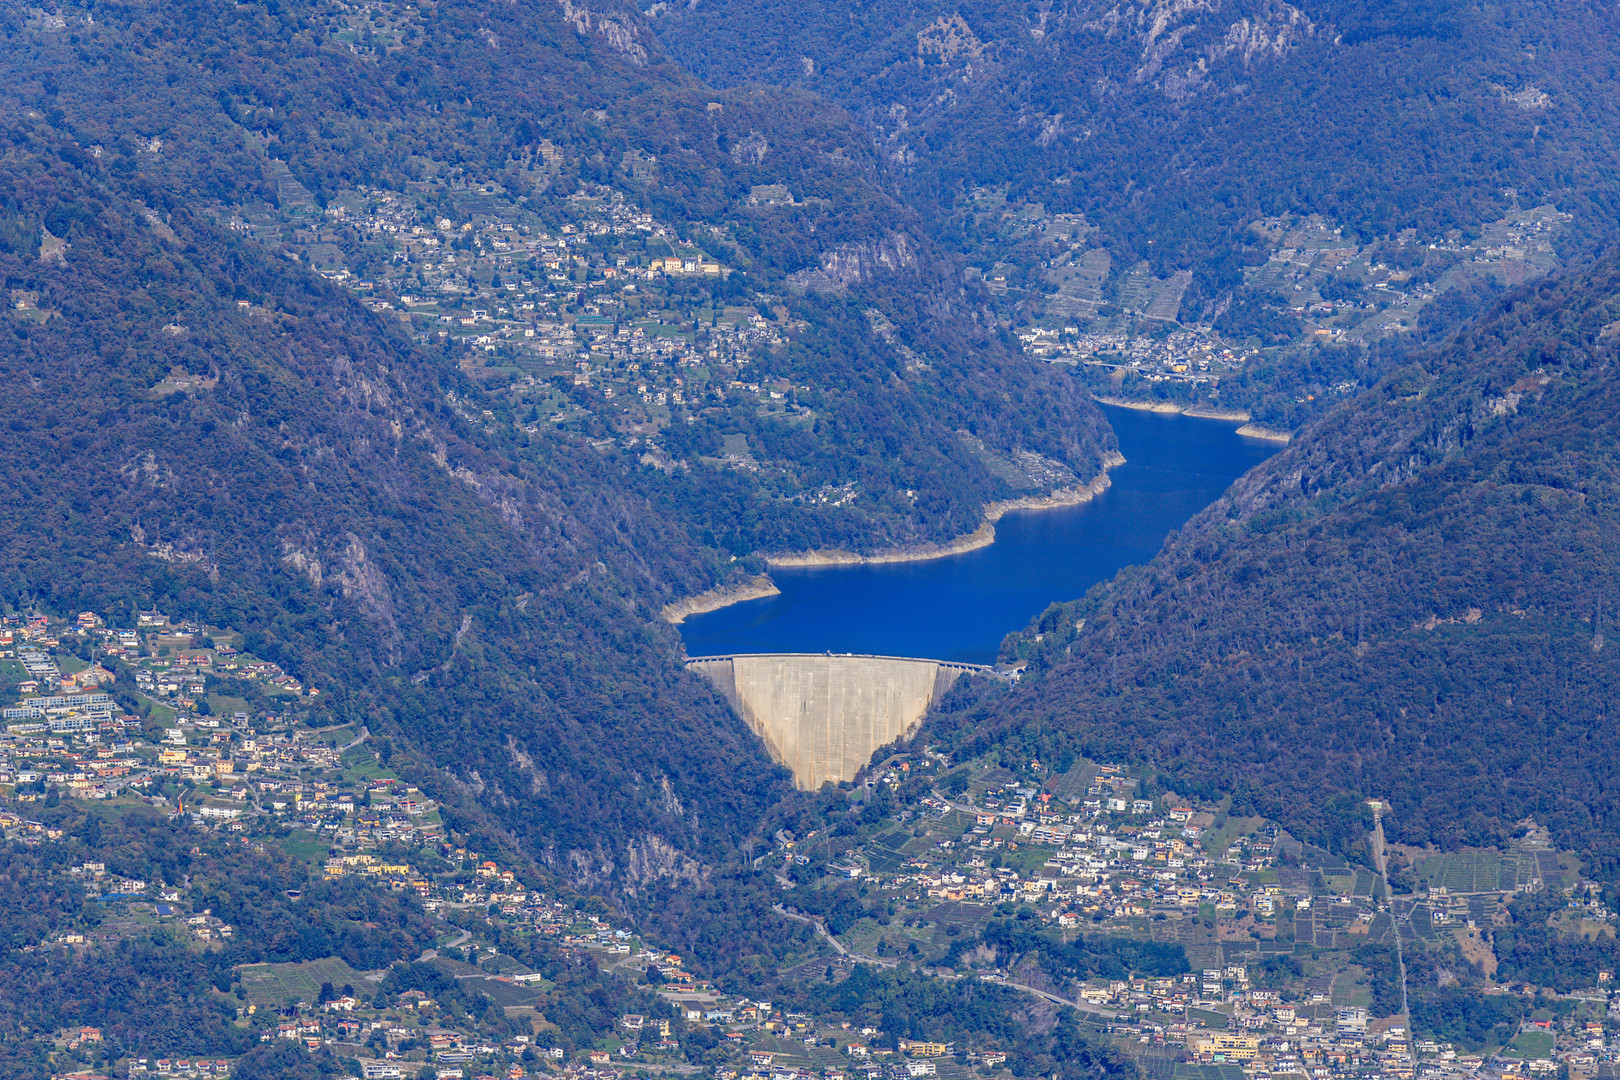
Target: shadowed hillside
[(1415, 601)]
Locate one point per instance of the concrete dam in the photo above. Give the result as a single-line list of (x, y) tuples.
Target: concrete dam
[(823, 715)]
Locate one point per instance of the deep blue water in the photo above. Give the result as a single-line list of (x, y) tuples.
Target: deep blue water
[(959, 608)]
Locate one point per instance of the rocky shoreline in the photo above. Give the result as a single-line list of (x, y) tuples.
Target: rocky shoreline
[(982, 537), (1203, 412), (1255, 431), (1200, 412), (755, 588)]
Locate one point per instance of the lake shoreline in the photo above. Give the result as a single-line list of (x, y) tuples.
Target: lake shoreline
[(1255, 431), (762, 587), (981, 537), (759, 587), (1249, 430), (960, 608)]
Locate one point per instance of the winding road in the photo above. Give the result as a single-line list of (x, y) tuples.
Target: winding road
[(820, 929), (433, 954), (838, 946)]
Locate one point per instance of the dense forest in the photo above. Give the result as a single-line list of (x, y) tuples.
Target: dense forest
[(1173, 128), (487, 599), (490, 605), (1173, 132), (264, 92), (1409, 603), (284, 502)]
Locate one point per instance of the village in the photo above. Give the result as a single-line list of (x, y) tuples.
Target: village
[(601, 310), (1132, 329), (1269, 926), (1194, 356), (592, 312)]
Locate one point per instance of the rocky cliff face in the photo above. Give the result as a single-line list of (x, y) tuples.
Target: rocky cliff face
[(849, 265)]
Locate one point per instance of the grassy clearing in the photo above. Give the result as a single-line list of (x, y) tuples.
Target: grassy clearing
[(966, 919), (1350, 988), (306, 846), (160, 713), (1532, 1044), (277, 984), (864, 936), (884, 852), (360, 764), (1217, 841), (225, 705), (1027, 858)]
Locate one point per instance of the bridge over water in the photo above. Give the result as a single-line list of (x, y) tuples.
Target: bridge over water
[(824, 714)]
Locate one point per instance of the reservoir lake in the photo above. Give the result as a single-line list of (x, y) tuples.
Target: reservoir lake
[(960, 607)]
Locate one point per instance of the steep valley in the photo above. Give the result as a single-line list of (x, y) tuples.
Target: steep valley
[(379, 383)]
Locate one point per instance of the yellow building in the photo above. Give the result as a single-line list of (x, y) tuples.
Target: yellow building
[(1223, 1046), (923, 1049)]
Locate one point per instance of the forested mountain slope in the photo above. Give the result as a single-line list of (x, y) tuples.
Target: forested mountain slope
[(1312, 186), (211, 110), (196, 420), (310, 487), (1170, 124), (1413, 602)]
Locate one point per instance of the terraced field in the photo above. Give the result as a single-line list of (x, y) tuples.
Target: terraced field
[(277, 984), (1484, 872)]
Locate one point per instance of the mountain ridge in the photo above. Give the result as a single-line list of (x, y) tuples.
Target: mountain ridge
[(1405, 603)]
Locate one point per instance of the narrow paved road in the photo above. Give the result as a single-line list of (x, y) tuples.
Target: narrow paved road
[(1083, 1006), (1380, 857), (808, 921), (433, 954)]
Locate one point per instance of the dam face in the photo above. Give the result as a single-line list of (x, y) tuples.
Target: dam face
[(823, 715)]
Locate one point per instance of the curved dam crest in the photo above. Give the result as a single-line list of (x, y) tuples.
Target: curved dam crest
[(823, 715)]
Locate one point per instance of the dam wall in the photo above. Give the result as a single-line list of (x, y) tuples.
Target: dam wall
[(823, 715)]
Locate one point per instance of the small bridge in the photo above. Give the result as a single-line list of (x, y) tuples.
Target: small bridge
[(824, 714)]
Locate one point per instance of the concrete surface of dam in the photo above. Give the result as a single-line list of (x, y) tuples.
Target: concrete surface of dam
[(822, 714)]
